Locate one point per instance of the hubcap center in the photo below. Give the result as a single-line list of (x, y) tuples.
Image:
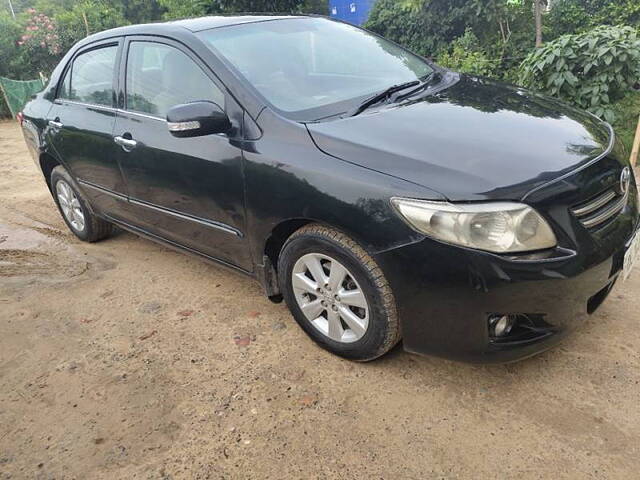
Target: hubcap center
[(329, 298)]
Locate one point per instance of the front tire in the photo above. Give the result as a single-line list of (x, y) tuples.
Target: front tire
[(338, 294), (74, 208)]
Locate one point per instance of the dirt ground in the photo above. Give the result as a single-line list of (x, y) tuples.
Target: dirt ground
[(123, 359)]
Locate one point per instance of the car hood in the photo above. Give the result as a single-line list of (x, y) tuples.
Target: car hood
[(475, 140)]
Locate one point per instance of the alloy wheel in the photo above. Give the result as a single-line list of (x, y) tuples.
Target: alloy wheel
[(330, 298), (70, 205)]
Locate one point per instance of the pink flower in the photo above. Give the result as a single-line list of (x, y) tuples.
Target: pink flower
[(50, 27), (42, 44), (20, 43)]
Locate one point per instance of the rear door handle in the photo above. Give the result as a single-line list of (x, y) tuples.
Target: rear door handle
[(126, 143), (55, 124)]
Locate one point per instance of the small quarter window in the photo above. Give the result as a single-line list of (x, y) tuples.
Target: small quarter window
[(90, 78), (65, 87), (160, 77)]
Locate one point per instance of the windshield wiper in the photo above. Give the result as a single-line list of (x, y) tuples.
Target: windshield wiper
[(427, 81), (379, 97)]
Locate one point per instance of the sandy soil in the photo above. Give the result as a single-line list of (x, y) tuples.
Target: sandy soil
[(123, 359)]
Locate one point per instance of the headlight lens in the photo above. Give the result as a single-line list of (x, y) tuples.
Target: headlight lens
[(502, 227)]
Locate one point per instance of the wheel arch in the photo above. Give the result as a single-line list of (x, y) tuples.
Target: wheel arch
[(267, 268), (47, 163), (282, 231), (267, 265), (279, 235)]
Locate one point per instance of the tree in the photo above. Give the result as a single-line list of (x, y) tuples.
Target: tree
[(436, 28), (10, 32), (425, 26), (87, 17), (175, 9), (140, 11), (39, 44), (578, 16), (260, 5), (193, 8), (320, 7), (538, 6)]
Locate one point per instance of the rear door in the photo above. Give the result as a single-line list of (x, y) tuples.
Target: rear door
[(186, 190), (81, 122)]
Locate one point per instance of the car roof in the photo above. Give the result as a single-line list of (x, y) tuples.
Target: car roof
[(206, 23), (190, 24)]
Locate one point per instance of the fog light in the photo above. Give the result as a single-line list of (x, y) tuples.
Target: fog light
[(501, 325)]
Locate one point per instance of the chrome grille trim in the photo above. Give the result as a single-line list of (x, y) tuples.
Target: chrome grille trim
[(599, 202), (601, 209), (606, 215)]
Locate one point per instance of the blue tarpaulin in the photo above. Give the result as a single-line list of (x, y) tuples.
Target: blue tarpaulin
[(355, 12)]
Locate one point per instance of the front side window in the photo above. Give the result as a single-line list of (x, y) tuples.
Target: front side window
[(160, 77), (304, 64), (90, 78)]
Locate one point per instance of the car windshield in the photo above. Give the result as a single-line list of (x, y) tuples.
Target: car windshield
[(308, 68)]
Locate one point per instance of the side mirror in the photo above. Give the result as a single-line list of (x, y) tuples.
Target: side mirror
[(197, 119)]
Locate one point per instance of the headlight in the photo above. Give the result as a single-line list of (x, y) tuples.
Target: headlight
[(495, 227)]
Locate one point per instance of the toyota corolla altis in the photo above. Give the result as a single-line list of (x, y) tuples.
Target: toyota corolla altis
[(382, 196)]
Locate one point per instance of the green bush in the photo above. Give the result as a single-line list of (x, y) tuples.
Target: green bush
[(429, 26), (467, 56), (504, 31), (591, 70), (400, 23), (627, 112), (577, 16)]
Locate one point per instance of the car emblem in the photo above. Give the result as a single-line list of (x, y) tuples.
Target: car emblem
[(625, 180)]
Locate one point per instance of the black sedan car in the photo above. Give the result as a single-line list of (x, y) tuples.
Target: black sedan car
[(383, 197)]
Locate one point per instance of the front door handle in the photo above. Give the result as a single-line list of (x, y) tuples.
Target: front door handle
[(127, 144), (54, 124)]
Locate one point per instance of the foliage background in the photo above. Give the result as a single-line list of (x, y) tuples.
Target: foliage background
[(72, 20), (67, 21), (493, 38)]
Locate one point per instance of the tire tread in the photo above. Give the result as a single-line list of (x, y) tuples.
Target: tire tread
[(393, 335)]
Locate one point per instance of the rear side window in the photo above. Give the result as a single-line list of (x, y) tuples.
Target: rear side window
[(90, 78), (160, 77)]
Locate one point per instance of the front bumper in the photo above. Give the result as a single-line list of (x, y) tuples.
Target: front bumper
[(444, 295)]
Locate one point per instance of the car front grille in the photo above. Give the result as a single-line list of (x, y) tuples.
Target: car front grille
[(600, 210)]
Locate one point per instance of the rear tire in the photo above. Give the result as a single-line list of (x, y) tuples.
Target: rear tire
[(74, 208), (351, 311)]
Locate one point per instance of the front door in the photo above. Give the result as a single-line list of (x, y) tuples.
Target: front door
[(188, 191), (81, 122)]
